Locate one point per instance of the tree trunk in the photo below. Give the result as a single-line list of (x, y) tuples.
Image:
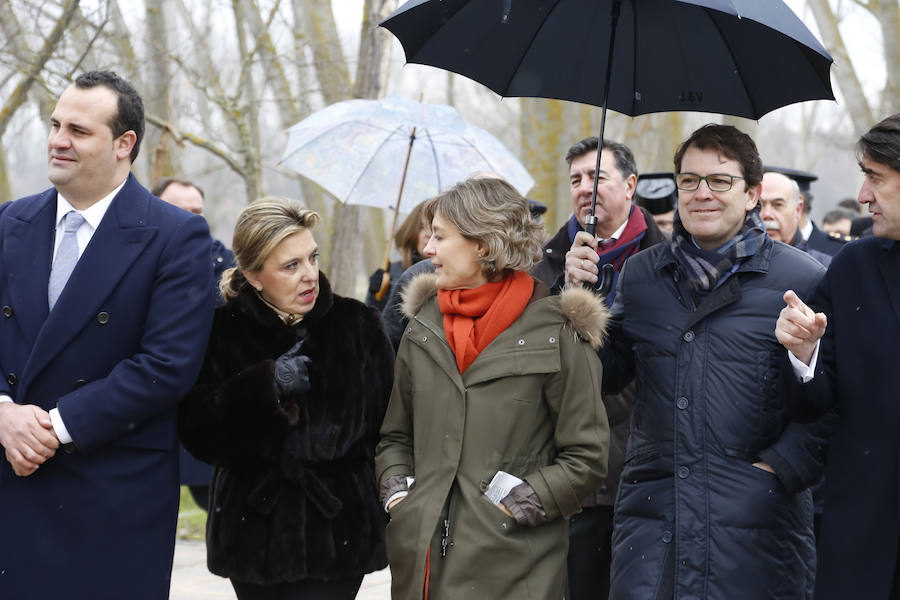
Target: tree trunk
[(5, 190), (371, 74), (158, 145), (887, 13), (855, 102)]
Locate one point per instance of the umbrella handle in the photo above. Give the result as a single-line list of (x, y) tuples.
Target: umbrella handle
[(385, 286), (386, 278), (607, 274)]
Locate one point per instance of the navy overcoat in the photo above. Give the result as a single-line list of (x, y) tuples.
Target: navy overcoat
[(858, 373), (120, 349)]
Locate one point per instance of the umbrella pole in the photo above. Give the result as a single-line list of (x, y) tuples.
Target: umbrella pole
[(386, 278), (590, 223)]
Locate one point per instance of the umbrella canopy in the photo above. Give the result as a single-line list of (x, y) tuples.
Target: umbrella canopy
[(355, 149), (735, 57)]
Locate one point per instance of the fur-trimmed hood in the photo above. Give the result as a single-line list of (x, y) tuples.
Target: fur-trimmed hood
[(584, 312)]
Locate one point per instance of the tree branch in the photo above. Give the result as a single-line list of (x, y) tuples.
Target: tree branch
[(20, 93), (207, 145)]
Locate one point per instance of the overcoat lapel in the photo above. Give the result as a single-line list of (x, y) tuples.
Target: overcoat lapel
[(27, 248), (119, 240), (890, 270)]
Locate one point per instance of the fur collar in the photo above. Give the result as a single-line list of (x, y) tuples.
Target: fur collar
[(585, 312), (250, 303)]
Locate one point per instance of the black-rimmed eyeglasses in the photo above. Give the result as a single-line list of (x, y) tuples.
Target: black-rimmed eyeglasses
[(718, 182)]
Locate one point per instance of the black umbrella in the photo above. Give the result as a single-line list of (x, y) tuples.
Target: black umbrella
[(735, 57)]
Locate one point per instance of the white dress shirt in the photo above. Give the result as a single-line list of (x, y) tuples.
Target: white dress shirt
[(616, 234), (92, 217), (806, 231)]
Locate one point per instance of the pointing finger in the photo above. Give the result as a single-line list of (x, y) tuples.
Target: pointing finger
[(794, 301)]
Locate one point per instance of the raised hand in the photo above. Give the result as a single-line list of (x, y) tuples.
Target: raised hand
[(799, 328), (581, 260)]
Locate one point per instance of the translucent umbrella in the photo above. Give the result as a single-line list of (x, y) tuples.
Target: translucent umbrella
[(394, 153)]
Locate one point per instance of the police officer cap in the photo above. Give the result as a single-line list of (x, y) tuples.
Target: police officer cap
[(656, 192), (803, 178), (536, 208)]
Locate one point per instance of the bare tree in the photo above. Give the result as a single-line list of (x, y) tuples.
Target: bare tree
[(31, 73)]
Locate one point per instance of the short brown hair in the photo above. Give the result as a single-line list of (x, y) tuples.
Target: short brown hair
[(491, 212), (261, 226), (730, 142)]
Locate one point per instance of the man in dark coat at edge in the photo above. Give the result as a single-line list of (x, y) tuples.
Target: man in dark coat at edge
[(107, 300), (713, 499), (186, 195), (845, 356)]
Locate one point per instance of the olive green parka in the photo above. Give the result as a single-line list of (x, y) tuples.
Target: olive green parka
[(529, 405)]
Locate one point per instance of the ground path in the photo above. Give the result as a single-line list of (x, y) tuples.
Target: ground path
[(192, 581)]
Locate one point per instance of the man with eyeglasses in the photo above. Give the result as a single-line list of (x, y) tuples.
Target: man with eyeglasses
[(713, 500)]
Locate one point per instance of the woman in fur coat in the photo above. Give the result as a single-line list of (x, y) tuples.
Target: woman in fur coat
[(494, 381), (287, 407)]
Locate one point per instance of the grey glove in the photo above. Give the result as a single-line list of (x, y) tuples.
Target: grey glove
[(292, 372)]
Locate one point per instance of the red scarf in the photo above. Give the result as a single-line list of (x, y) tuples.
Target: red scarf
[(474, 317)]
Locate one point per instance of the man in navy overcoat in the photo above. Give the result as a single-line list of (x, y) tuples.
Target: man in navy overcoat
[(851, 351), (95, 359)]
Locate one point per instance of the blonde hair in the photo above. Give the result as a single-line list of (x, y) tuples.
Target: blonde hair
[(407, 236), (261, 226), (491, 212)]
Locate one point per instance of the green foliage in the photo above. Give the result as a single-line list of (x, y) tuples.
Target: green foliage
[(191, 518)]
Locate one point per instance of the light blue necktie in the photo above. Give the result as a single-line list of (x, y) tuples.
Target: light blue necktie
[(66, 257)]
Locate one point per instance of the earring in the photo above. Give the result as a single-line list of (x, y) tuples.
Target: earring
[(259, 288)]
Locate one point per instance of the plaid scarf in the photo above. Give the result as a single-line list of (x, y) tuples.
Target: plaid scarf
[(705, 269)]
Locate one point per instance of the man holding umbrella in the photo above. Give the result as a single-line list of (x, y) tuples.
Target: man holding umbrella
[(851, 350), (714, 499), (625, 229)]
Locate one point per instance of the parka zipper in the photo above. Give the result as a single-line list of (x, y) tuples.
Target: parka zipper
[(445, 525)]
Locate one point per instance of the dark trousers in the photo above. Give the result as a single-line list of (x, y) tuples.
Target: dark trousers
[(308, 589), (590, 554)]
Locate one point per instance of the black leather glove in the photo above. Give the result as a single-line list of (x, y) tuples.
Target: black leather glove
[(292, 371), (375, 281)]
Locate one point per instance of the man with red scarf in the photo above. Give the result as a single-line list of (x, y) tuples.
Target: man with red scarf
[(624, 228)]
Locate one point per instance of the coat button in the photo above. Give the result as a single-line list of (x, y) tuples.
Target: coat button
[(682, 403), (688, 336), (521, 342), (666, 537), (552, 340), (103, 317), (683, 472), (7, 311), (11, 379), (79, 383)]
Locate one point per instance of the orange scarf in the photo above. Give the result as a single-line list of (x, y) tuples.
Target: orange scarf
[(473, 318)]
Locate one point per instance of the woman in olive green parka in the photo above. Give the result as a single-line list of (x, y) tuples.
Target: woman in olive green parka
[(523, 399)]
